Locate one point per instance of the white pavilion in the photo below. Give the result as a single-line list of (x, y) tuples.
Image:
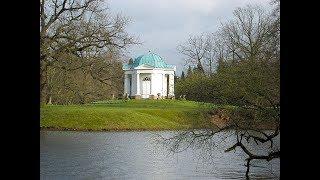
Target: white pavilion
[(148, 76)]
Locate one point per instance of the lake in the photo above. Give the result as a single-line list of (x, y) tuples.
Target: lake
[(135, 155)]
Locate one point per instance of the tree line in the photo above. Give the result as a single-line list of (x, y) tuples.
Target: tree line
[(82, 47), (238, 65)]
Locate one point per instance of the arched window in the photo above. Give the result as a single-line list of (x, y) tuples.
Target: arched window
[(147, 79)]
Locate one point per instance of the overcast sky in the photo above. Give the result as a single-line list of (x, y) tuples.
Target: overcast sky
[(163, 24)]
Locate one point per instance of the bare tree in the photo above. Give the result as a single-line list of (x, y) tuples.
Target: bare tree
[(83, 28), (248, 34), (215, 51), (244, 132), (250, 45), (195, 50)]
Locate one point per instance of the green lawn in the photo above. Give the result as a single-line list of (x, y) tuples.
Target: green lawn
[(127, 115)]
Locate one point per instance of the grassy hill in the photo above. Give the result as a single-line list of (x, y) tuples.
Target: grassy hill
[(127, 115)]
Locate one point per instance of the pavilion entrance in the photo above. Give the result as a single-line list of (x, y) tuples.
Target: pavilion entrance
[(146, 87)]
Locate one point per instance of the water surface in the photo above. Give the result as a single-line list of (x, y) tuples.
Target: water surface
[(134, 155)]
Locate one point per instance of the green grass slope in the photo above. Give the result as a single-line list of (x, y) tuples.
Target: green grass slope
[(126, 115)]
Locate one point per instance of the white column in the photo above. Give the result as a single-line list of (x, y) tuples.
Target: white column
[(138, 83), (171, 85), (125, 86), (164, 85), (151, 81)]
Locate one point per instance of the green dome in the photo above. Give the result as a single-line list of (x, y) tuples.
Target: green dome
[(150, 59)]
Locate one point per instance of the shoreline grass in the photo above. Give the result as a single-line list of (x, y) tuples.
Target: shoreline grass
[(130, 115)]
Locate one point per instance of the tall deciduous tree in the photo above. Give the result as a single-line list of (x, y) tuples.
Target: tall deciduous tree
[(248, 35), (194, 50), (247, 52), (83, 29)]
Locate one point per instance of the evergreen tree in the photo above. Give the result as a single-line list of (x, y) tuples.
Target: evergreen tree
[(130, 61), (182, 76), (199, 68), (189, 72), (221, 65)]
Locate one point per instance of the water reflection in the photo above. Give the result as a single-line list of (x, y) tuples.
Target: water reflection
[(134, 155)]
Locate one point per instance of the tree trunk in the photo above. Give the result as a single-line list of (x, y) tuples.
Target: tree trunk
[(42, 90), (49, 102), (43, 83)]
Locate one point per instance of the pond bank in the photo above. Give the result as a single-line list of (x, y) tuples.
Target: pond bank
[(132, 115), (108, 130)]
